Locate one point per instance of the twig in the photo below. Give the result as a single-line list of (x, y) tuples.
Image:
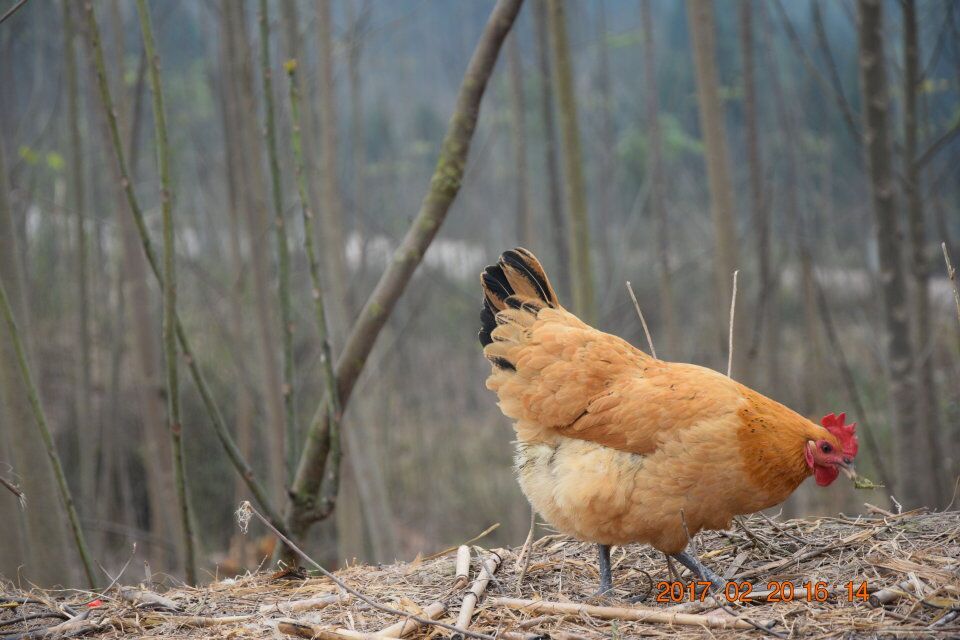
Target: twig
[(40, 419), (482, 534), (12, 10), (15, 490), (246, 510), (635, 614), (646, 331), (523, 560), (487, 569), (140, 596), (952, 274), (733, 308)]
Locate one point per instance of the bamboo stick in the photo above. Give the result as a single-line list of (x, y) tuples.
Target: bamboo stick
[(463, 568), (169, 295), (635, 614), (213, 412), (41, 420), (471, 598)]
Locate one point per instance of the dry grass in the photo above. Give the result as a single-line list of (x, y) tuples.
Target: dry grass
[(918, 553)]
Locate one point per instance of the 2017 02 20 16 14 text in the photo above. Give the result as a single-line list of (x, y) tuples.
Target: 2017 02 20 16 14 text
[(776, 591)]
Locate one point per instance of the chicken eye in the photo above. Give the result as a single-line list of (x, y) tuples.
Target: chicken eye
[(826, 448)]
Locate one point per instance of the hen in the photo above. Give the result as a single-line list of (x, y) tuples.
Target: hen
[(615, 446)]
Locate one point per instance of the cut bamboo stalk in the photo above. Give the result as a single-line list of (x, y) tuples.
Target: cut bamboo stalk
[(471, 598), (463, 568), (635, 614), (311, 604)]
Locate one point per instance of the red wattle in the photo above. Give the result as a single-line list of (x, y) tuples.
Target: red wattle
[(825, 475)]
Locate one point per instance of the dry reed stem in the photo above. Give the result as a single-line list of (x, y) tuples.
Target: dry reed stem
[(523, 560), (470, 599), (635, 614), (733, 309), (643, 321)]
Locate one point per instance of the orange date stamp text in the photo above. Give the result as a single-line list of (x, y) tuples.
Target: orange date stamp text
[(672, 592)]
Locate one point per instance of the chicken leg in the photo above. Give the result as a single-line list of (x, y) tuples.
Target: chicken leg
[(606, 576), (693, 563)]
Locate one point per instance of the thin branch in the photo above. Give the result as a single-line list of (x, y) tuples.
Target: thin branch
[(945, 138), (169, 293), (334, 412), (643, 321), (845, 110), (246, 511), (733, 308), (213, 412), (283, 249), (12, 10), (846, 373), (41, 420), (15, 490)]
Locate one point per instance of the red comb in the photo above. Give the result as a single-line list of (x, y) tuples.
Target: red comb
[(845, 433)]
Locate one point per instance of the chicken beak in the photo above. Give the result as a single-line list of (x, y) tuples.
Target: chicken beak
[(848, 469)]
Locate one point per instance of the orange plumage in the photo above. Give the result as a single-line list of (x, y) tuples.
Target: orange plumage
[(614, 445)]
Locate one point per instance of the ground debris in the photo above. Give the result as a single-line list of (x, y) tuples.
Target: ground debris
[(878, 576)]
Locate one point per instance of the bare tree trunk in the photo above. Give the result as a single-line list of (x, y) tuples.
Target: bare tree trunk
[(915, 477), (702, 32), (86, 434), (579, 238), (558, 220), (45, 541), (332, 209), (258, 225), (304, 509), (658, 185), (759, 211), (525, 233), (929, 409)]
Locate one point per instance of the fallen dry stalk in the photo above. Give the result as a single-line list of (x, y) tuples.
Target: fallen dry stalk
[(246, 511), (310, 604), (634, 614), (471, 598), (401, 629)]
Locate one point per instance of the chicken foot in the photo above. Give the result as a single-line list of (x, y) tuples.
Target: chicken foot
[(693, 563)]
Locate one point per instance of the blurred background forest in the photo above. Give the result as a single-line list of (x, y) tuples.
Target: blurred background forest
[(810, 144)]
